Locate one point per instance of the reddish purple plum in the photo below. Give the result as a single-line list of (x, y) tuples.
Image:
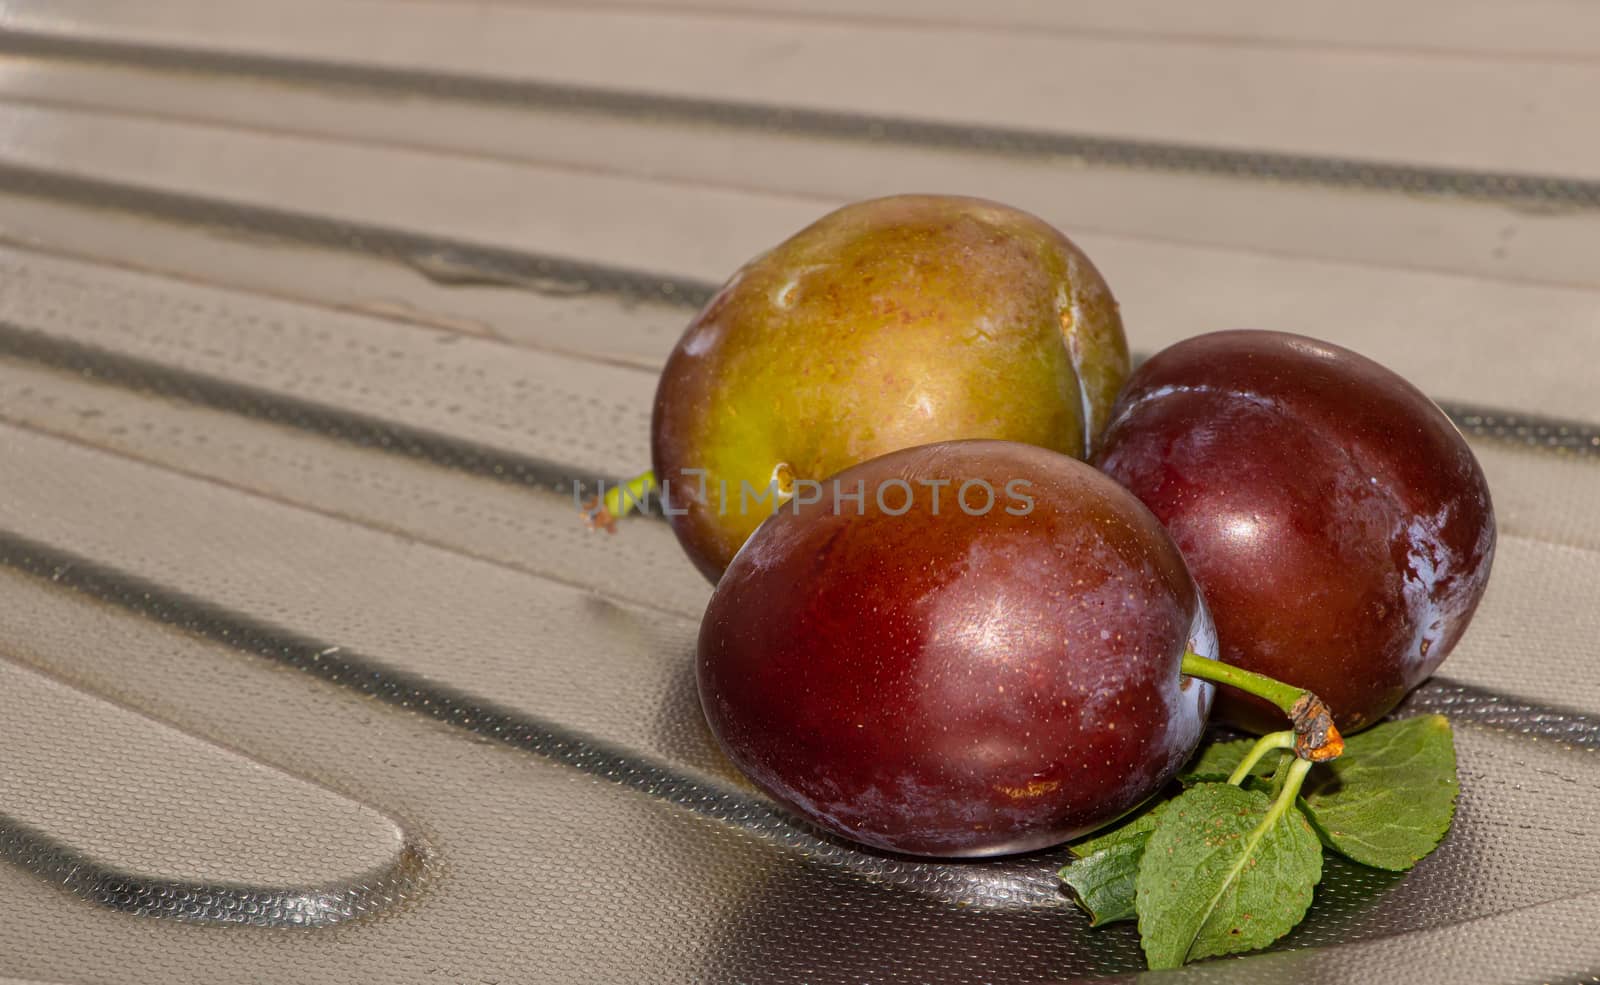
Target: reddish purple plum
[(1338, 525), (978, 654)]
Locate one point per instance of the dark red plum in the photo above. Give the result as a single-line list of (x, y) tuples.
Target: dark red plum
[(979, 655), (1338, 525)]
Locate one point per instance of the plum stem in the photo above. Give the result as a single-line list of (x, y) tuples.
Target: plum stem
[(1270, 742), (1281, 775), (1316, 737), (1293, 780), (603, 512)]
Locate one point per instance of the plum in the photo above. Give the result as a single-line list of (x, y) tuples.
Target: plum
[(1338, 525), (961, 649), (886, 324)]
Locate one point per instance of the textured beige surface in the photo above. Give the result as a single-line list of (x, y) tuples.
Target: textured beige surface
[(310, 312), (1438, 329), (510, 525), (244, 823), (548, 649), (1301, 101), (1550, 27), (554, 874), (1296, 219), (409, 376)]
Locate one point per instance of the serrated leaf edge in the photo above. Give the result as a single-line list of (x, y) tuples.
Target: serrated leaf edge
[(1307, 805)]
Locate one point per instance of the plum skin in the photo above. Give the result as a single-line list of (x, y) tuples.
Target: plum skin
[(958, 685), (886, 324), (1338, 525)]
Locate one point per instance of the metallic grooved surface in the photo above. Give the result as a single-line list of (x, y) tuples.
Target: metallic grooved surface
[(1538, 432), (128, 892), (281, 409), (257, 844), (312, 318), (1469, 703), (431, 256), (520, 730), (1536, 190), (1529, 430), (455, 262), (1021, 882)]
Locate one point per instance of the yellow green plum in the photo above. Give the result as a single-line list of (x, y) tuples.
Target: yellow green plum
[(887, 324)]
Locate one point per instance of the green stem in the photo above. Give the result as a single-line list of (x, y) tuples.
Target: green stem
[(1280, 694), (1267, 743), (625, 497), (1280, 776), (1291, 789), (1316, 738), (602, 512)]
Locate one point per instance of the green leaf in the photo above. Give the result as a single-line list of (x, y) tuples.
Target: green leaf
[(1102, 877), (1217, 761), (1135, 829), (1222, 874), (1390, 798), (1103, 882)]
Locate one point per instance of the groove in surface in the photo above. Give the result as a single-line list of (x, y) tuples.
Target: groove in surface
[(1471, 29), (561, 870), (1089, 149), (246, 609), (1533, 431), (516, 727), (1024, 881), (1420, 323), (169, 826), (398, 597), (293, 462), (520, 828), (276, 407), (438, 258), (1450, 234), (429, 501)]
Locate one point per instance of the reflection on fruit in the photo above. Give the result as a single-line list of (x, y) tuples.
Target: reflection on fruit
[(1336, 521), (979, 654), (887, 324)]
